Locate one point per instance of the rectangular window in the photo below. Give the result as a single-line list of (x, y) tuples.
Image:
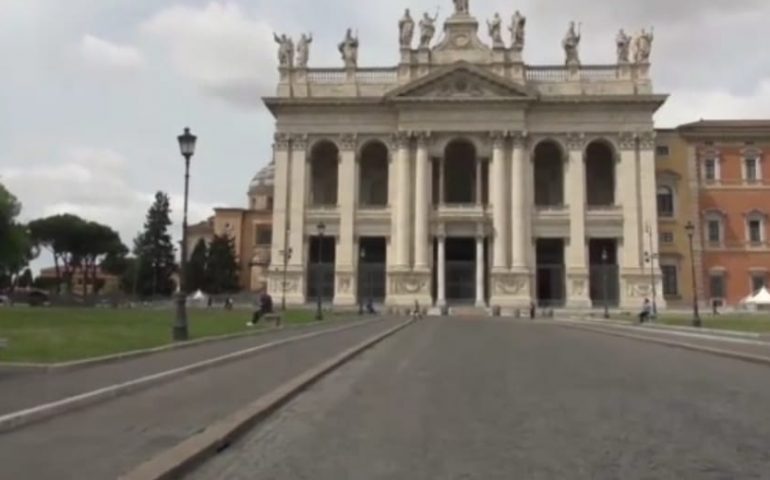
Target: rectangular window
[(755, 231), (666, 237), (662, 151), (758, 282), (263, 236), (751, 170), (714, 232), (710, 171), (670, 280), (717, 285)]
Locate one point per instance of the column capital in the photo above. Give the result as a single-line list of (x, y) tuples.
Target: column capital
[(422, 138), (647, 140), (281, 141), (627, 140), (520, 139), (576, 141), (498, 138), (299, 142), (348, 141), (401, 139)]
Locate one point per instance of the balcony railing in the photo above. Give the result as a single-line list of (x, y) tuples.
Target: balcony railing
[(331, 76), (558, 73)]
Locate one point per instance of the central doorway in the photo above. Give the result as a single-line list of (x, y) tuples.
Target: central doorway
[(550, 273), (461, 270), (372, 260)]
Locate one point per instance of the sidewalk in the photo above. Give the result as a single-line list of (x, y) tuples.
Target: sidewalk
[(748, 346), (34, 389)]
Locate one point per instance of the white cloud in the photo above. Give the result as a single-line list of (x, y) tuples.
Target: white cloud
[(91, 183), (228, 53), (100, 53)]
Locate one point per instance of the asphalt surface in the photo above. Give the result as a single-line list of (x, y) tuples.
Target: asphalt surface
[(32, 389), (106, 440), (452, 399)]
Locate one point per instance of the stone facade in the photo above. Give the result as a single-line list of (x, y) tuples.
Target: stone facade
[(472, 213)]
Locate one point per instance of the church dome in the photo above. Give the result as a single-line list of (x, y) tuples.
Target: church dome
[(264, 179)]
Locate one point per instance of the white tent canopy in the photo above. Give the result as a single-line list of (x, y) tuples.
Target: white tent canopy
[(199, 295), (762, 298)]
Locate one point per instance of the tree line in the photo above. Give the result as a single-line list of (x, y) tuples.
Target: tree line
[(82, 247)]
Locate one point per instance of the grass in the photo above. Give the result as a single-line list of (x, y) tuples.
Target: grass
[(49, 335), (737, 322)]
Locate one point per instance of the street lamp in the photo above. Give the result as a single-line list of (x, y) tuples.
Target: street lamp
[(696, 321), (286, 256), (319, 274), (187, 142), (650, 257), (605, 287), (362, 281)]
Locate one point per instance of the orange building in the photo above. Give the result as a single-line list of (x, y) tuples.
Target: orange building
[(732, 170)]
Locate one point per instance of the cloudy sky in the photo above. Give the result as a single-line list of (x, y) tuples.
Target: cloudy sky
[(93, 92)]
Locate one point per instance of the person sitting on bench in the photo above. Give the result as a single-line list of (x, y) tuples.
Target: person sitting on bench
[(265, 308), (646, 312)]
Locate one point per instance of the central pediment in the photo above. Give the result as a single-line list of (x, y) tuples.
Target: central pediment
[(461, 81)]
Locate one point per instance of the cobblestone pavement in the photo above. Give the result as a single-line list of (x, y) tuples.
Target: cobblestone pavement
[(108, 439), (32, 389), (453, 399)]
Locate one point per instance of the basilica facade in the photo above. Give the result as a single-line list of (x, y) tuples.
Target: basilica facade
[(464, 175)]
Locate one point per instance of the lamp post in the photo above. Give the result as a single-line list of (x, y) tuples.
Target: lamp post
[(180, 332), (286, 256), (319, 274), (605, 287), (650, 258), (696, 321)]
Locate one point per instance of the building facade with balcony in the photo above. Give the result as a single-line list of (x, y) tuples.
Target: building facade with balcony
[(729, 160), (465, 176)]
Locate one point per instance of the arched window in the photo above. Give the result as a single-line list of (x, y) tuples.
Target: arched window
[(373, 171), (324, 166), (665, 201), (600, 175), (549, 175)]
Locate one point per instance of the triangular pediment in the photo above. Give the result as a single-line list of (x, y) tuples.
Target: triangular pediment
[(461, 81)]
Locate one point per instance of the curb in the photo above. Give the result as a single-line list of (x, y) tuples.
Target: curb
[(663, 327), (183, 458), (91, 362), (746, 357), (15, 420)]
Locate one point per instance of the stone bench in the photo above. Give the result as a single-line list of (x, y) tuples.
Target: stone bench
[(273, 317), (3, 343)]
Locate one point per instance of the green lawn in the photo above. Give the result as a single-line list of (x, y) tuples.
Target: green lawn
[(738, 322), (48, 335)]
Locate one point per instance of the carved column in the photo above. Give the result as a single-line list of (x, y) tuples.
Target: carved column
[(631, 258), (520, 210), (400, 228), (577, 261), (499, 200), (480, 265), (297, 202), (441, 272), (421, 204), (479, 170), (345, 289), (280, 212)]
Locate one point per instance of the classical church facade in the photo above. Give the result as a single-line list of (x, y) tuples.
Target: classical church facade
[(465, 176)]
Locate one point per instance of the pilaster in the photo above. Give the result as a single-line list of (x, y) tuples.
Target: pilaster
[(345, 288), (297, 200), (576, 257), (497, 186), (422, 200), (280, 212), (400, 230)]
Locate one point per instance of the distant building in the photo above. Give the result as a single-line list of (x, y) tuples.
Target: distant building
[(729, 161), (105, 282), (250, 228)]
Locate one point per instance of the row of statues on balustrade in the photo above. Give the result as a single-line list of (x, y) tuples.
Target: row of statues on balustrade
[(348, 48)]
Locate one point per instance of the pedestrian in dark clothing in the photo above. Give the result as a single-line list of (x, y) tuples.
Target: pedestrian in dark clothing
[(644, 315), (265, 308), (532, 310)]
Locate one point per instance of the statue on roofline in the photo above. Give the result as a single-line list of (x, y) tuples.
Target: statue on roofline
[(406, 30)]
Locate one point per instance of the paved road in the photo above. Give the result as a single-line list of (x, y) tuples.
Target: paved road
[(495, 400), (109, 439), (34, 389)]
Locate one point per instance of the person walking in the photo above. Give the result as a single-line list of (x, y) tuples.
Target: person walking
[(646, 312)]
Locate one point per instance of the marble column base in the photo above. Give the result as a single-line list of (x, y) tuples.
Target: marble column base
[(407, 287), (511, 289), (345, 289), (578, 289), (635, 286)]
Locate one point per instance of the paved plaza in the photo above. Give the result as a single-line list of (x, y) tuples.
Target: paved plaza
[(462, 399)]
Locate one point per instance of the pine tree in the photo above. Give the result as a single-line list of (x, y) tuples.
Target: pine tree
[(196, 267), (222, 267), (154, 250)]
